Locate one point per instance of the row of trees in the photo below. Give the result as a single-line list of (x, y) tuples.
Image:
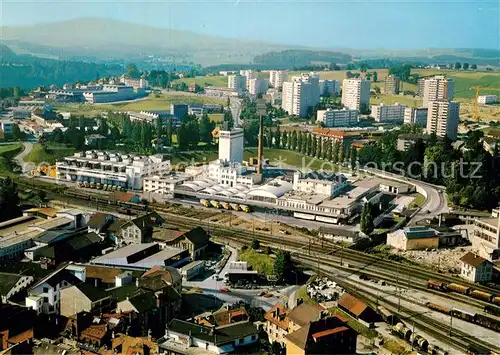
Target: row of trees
[(436, 161), (464, 66)]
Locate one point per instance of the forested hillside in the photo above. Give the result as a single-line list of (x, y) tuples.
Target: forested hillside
[(296, 58)]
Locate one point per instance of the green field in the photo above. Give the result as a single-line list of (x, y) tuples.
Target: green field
[(152, 102), (49, 155), (260, 262), (291, 158), (203, 81), (216, 117), (190, 158), (7, 152)]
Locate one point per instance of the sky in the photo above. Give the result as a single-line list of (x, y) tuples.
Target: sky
[(368, 24)]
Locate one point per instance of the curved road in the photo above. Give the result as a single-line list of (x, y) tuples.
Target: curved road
[(28, 146)]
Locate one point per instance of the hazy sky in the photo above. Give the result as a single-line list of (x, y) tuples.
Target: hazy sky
[(329, 23)]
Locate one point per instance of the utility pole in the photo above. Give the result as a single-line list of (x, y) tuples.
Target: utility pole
[(451, 321)]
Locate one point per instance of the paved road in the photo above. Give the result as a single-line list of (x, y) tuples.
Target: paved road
[(20, 157)]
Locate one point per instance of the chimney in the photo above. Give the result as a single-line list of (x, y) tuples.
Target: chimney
[(261, 146)]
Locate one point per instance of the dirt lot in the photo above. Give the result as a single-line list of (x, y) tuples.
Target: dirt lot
[(446, 260)]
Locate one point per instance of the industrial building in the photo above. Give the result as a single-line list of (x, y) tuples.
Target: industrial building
[(112, 93), (113, 169), (413, 238)]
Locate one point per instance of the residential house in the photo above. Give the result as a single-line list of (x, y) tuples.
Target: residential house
[(102, 276), (88, 329), (12, 284), (475, 268), (357, 309), (140, 229), (182, 337), (125, 344), (44, 296), (84, 297), (16, 325), (302, 315), (277, 324), (328, 335), (99, 222), (162, 275), (195, 241)]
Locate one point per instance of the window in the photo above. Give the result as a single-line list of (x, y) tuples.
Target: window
[(45, 289)]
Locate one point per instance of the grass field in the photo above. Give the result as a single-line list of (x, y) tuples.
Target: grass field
[(216, 117), (260, 262), (6, 153), (291, 158), (302, 293), (49, 155), (152, 102), (190, 158), (203, 81)]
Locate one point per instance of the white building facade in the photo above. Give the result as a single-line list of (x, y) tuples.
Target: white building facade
[(437, 88), (316, 183), (331, 87), (388, 113), (356, 94), (300, 94), (487, 99), (277, 78), (416, 115), (237, 83), (112, 169), (338, 118), (443, 118), (231, 145), (257, 86)]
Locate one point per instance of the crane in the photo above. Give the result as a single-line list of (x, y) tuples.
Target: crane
[(476, 104)]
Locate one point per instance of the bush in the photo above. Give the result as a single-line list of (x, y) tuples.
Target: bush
[(255, 244), (244, 247)]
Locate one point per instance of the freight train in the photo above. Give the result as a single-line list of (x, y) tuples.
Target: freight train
[(476, 318), (468, 291)]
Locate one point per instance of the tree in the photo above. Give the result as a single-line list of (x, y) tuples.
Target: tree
[(353, 157), (293, 141), (284, 140), (282, 265), (335, 153), (255, 244), (309, 144), (228, 119), (466, 66), (57, 136), (206, 128), (367, 226), (458, 66), (194, 133), (319, 148), (375, 76), (169, 132), (132, 71), (17, 133), (277, 138), (473, 66), (183, 136), (9, 200), (314, 146)]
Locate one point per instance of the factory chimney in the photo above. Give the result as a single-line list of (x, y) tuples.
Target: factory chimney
[(261, 147)]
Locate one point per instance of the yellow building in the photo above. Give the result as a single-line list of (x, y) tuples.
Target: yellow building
[(413, 238)]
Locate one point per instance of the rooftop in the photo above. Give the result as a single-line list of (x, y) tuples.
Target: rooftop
[(92, 293), (493, 222), (473, 259), (304, 313), (7, 281), (352, 304)]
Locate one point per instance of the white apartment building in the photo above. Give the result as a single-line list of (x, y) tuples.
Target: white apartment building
[(232, 174), (237, 83), (231, 145), (257, 86), (475, 268), (338, 118), (300, 93), (356, 94), (416, 115), (486, 238), (249, 74), (331, 87), (487, 99), (443, 118), (277, 78), (164, 184), (319, 183), (388, 113), (437, 88), (135, 83), (113, 169)]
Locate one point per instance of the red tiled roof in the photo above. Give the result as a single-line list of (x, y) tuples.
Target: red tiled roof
[(327, 332), (351, 303), (281, 319)]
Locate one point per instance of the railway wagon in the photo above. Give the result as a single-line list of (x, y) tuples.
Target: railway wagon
[(487, 322), (438, 307), (466, 316), (435, 350), (388, 316), (496, 300), (436, 285), (458, 288), (403, 331), (492, 310), (419, 341), (480, 295)]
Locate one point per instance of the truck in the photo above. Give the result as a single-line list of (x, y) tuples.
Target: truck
[(205, 203), (216, 204), (245, 208), (235, 206)]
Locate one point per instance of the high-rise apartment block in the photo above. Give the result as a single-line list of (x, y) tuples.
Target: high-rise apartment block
[(331, 87), (392, 85), (300, 93), (237, 82), (437, 88), (443, 118), (388, 113), (277, 78), (416, 115), (356, 94), (257, 86), (338, 118), (249, 74)]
